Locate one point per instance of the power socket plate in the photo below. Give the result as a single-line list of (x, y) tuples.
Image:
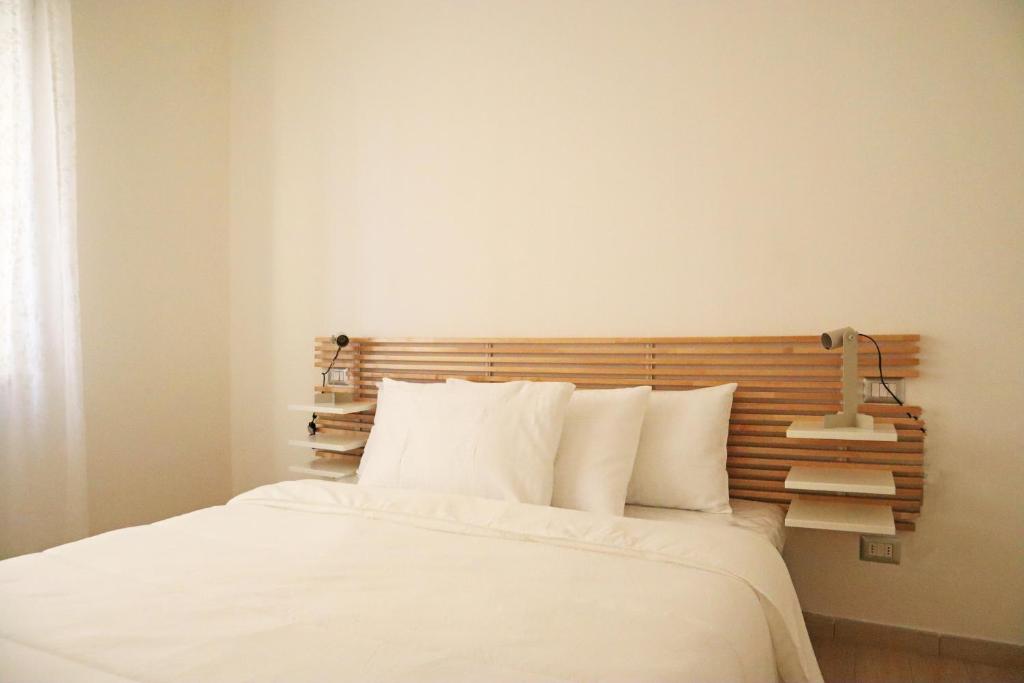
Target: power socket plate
[(884, 549), (873, 391), (337, 377)]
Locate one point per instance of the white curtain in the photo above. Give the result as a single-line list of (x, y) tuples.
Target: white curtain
[(42, 446)]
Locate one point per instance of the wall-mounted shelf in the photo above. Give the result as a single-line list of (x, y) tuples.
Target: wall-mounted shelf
[(840, 516), (339, 442), (346, 408), (327, 469), (841, 479), (815, 429)]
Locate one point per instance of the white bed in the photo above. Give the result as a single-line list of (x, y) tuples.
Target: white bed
[(765, 519), (316, 581)]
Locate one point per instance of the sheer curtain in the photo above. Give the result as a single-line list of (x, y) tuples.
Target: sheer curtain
[(42, 447)]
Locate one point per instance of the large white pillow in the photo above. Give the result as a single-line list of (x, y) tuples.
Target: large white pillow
[(598, 448), (488, 440), (681, 459)]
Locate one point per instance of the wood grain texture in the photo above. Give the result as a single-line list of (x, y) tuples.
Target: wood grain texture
[(860, 663), (863, 652), (780, 378), (984, 651)]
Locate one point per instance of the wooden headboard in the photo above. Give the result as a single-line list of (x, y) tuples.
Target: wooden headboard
[(780, 379)]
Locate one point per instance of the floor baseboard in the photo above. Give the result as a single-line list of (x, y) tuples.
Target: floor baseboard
[(825, 628)]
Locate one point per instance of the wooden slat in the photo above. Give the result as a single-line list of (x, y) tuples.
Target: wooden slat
[(836, 444), (473, 356), (828, 376), (681, 355), (783, 464), (899, 506), (780, 379), (346, 427), (831, 455), (777, 474), (875, 409), (904, 506), (777, 422), (779, 430), (547, 341), (751, 389), (791, 354), (762, 484), (617, 344), (815, 403)]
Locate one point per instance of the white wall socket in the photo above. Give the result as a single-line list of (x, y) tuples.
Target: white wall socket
[(872, 390), (337, 377), (880, 549)]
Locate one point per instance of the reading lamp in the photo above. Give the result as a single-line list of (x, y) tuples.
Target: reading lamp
[(342, 341), (847, 423), (322, 396)]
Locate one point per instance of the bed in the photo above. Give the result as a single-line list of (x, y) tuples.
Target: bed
[(764, 519), (311, 581), (506, 529)]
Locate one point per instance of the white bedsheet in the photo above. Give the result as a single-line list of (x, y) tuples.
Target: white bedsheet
[(766, 519), (318, 581)]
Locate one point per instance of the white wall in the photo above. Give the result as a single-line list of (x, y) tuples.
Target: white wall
[(152, 96), (657, 168)]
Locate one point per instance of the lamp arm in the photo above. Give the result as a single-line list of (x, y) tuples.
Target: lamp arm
[(342, 341), (847, 339)]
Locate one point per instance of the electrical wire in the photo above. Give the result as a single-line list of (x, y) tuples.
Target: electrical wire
[(323, 375), (312, 427), (881, 377)]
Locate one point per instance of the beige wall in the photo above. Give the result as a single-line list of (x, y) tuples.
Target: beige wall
[(556, 168), (656, 168), (152, 177)]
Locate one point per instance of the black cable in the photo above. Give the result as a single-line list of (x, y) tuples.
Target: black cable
[(323, 375), (881, 377), (342, 341)]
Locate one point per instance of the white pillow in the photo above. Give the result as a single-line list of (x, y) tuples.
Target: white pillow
[(681, 459), (598, 447), (488, 440)]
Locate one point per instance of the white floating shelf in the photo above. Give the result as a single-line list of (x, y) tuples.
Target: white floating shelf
[(327, 469), (333, 408), (336, 442), (857, 517), (815, 429), (845, 480)]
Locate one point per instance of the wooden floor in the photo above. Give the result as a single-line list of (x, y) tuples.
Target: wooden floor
[(849, 663)]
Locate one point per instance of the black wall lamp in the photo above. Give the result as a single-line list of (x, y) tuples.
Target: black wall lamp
[(341, 340)]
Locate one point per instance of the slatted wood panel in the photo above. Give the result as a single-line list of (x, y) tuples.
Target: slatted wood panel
[(780, 379)]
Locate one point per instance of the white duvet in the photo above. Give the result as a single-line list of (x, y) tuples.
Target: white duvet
[(319, 581)]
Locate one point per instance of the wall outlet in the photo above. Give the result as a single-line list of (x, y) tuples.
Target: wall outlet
[(337, 377), (873, 391), (880, 549)]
